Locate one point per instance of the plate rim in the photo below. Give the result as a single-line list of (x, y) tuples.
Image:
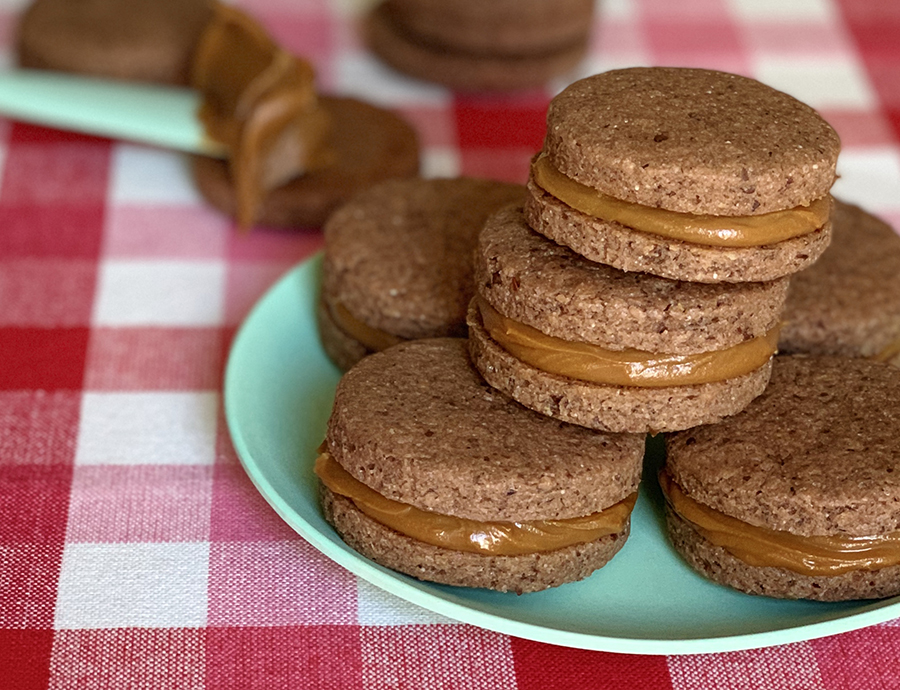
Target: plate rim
[(874, 612)]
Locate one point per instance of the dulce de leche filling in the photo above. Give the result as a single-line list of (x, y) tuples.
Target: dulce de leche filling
[(373, 339), (461, 534), (716, 231), (629, 367), (762, 547), (260, 102)]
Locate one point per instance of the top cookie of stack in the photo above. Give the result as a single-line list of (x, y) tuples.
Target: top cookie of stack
[(678, 202), (688, 174)]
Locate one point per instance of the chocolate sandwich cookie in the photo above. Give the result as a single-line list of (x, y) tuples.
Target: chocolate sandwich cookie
[(848, 302), (141, 40), (498, 45), (398, 262), (427, 470), (688, 174), (615, 351), (368, 145), (798, 496)]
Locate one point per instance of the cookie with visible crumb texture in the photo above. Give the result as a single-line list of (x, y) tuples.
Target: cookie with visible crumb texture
[(370, 144), (417, 425), (808, 467), (503, 45), (685, 143), (581, 305), (140, 40), (398, 262), (848, 302)]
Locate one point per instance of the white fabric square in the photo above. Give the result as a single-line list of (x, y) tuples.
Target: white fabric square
[(133, 586), (440, 162), (160, 293), (774, 10), (147, 175), (822, 82), (618, 9), (869, 177), (147, 428), (378, 607), (362, 75)]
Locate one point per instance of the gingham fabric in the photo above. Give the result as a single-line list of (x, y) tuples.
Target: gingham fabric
[(135, 553)]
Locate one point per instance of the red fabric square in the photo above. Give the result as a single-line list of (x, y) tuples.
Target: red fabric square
[(26, 133), (144, 503), (126, 658), (72, 231), (325, 657), (29, 574), (510, 165), (542, 667), (25, 658), (38, 428), (501, 122), (47, 293), (46, 358), (124, 359), (239, 512), (34, 503), (461, 657), (277, 583), (66, 172), (866, 658), (668, 42)]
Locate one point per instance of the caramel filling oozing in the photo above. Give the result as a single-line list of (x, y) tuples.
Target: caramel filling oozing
[(260, 102), (592, 363), (716, 231), (763, 547), (373, 339), (461, 534), (889, 352)]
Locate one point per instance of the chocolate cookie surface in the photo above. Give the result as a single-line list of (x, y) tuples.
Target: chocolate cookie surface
[(371, 145), (691, 141), (689, 174), (499, 69), (808, 465), (398, 260), (417, 425), (596, 346), (848, 302), (141, 40)]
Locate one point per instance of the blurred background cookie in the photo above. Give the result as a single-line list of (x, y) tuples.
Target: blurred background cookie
[(473, 45), (398, 262), (848, 302), (141, 40), (368, 145)]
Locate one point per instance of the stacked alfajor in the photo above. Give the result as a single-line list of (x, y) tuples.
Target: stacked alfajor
[(641, 289)]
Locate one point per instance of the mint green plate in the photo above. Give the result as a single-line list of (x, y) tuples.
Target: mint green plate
[(279, 388)]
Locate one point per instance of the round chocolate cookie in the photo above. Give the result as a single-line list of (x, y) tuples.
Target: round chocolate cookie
[(371, 145), (685, 173), (479, 491), (474, 46), (848, 302), (798, 496), (141, 40), (592, 345), (398, 262), (499, 27)]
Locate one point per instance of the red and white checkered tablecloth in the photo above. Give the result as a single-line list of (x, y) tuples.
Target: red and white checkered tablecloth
[(135, 553)]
